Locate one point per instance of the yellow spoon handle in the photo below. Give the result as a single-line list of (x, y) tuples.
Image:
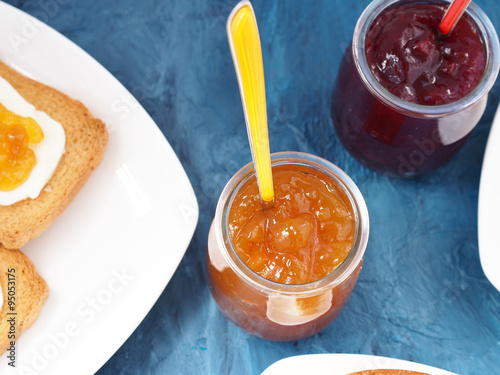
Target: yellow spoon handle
[(244, 43)]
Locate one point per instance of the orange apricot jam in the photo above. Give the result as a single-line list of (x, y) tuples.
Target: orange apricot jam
[(286, 272), (306, 234), (17, 159)]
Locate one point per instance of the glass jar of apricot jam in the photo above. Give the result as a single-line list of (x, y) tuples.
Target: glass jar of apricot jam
[(285, 272), (406, 98)]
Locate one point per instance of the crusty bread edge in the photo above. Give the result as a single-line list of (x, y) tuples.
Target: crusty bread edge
[(388, 372), (26, 267)]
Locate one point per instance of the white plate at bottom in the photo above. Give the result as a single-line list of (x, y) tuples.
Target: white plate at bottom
[(343, 364)]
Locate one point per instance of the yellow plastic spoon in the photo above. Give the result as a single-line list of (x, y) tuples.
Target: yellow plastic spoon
[(244, 43)]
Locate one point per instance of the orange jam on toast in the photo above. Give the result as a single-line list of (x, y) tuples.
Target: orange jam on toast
[(17, 159), (305, 236)]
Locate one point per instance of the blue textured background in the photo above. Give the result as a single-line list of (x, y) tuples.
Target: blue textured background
[(421, 296)]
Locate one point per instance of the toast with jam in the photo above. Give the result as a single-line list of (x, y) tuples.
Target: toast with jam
[(85, 141)]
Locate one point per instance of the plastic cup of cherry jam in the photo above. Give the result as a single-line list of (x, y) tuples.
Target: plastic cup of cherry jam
[(406, 98), (286, 272)]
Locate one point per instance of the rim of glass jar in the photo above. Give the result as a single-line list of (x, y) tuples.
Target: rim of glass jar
[(418, 110), (341, 273)]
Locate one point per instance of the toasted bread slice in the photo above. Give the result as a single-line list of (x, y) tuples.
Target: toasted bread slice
[(388, 372), (28, 291), (86, 139)]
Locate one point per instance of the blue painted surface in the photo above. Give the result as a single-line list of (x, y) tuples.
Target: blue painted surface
[(422, 294)]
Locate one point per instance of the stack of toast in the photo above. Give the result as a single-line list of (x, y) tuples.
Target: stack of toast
[(86, 139)]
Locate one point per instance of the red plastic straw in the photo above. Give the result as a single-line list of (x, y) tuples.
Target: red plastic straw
[(452, 16)]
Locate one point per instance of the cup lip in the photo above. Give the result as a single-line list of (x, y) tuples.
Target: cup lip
[(418, 110), (331, 280)]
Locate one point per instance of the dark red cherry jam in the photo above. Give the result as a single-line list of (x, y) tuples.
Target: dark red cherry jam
[(411, 60)]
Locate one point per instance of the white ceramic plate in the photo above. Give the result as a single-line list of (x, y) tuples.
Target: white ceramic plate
[(109, 256), (343, 364), (489, 206)]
